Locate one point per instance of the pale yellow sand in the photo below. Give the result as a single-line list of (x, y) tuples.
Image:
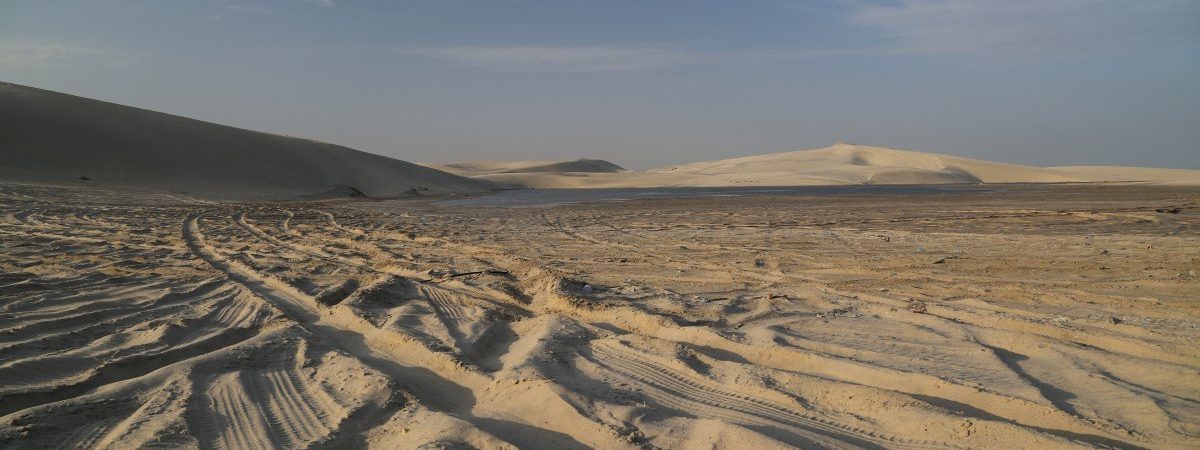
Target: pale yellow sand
[(1036, 317), (839, 164), (1132, 174)]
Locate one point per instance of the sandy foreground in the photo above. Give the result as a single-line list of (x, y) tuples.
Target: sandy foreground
[(1044, 316)]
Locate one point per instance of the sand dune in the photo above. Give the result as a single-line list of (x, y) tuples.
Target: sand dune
[(856, 164), (1049, 316), (48, 136), (839, 164), (481, 168)]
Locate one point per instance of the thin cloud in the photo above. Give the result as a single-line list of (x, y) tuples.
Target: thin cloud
[(247, 9), (1000, 29), (560, 59), (1024, 28)]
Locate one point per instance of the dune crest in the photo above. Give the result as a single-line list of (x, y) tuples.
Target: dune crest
[(483, 168), (839, 164), (859, 164), (54, 137)]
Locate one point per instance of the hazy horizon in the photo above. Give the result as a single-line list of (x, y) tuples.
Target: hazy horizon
[(644, 84)]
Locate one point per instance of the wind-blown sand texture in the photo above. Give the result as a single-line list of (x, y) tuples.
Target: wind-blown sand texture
[(1033, 317), (840, 164), (48, 136)]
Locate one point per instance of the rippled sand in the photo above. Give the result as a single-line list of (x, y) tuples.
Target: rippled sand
[(1035, 316)]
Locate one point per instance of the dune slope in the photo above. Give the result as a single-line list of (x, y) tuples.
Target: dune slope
[(483, 168), (839, 164), (49, 136), (858, 164)]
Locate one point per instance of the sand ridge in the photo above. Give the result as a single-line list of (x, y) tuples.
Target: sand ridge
[(53, 137), (483, 168), (840, 164)]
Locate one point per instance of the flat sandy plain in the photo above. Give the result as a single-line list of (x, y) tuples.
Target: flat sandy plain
[(1029, 317)]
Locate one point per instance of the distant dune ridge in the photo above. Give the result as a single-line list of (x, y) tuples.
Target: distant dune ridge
[(52, 137), (481, 168), (840, 164)]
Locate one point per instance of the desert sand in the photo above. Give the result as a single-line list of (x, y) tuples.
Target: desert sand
[(840, 164), (166, 282), (1109, 174), (54, 137), (484, 168), (1061, 316)]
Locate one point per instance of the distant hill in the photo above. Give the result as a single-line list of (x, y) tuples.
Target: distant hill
[(482, 168), (845, 163), (53, 137), (840, 164)]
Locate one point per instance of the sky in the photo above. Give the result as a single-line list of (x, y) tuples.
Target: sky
[(643, 83)]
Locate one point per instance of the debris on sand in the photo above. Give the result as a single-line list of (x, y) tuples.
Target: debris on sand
[(918, 307)]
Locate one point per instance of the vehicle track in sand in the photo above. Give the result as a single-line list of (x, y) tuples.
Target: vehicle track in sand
[(688, 394), (433, 378), (119, 324)]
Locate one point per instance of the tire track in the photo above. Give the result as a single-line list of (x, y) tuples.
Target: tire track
[(436, 379), (557, 225), (240, 219), (285, 224), (692, 395), (240, 423), (334, 223)]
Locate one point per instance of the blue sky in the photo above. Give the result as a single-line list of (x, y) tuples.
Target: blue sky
[(643, 83)]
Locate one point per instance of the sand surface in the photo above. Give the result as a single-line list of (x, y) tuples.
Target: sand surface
[(1136, 174), (49, 136), (840, 164), (1031, 317)]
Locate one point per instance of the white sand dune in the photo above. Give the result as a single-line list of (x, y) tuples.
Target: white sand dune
[(480, 168), (856, 164), (839, 164), (54, 137)]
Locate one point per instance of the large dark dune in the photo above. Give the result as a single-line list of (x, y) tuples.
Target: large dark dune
[(53, 137)]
